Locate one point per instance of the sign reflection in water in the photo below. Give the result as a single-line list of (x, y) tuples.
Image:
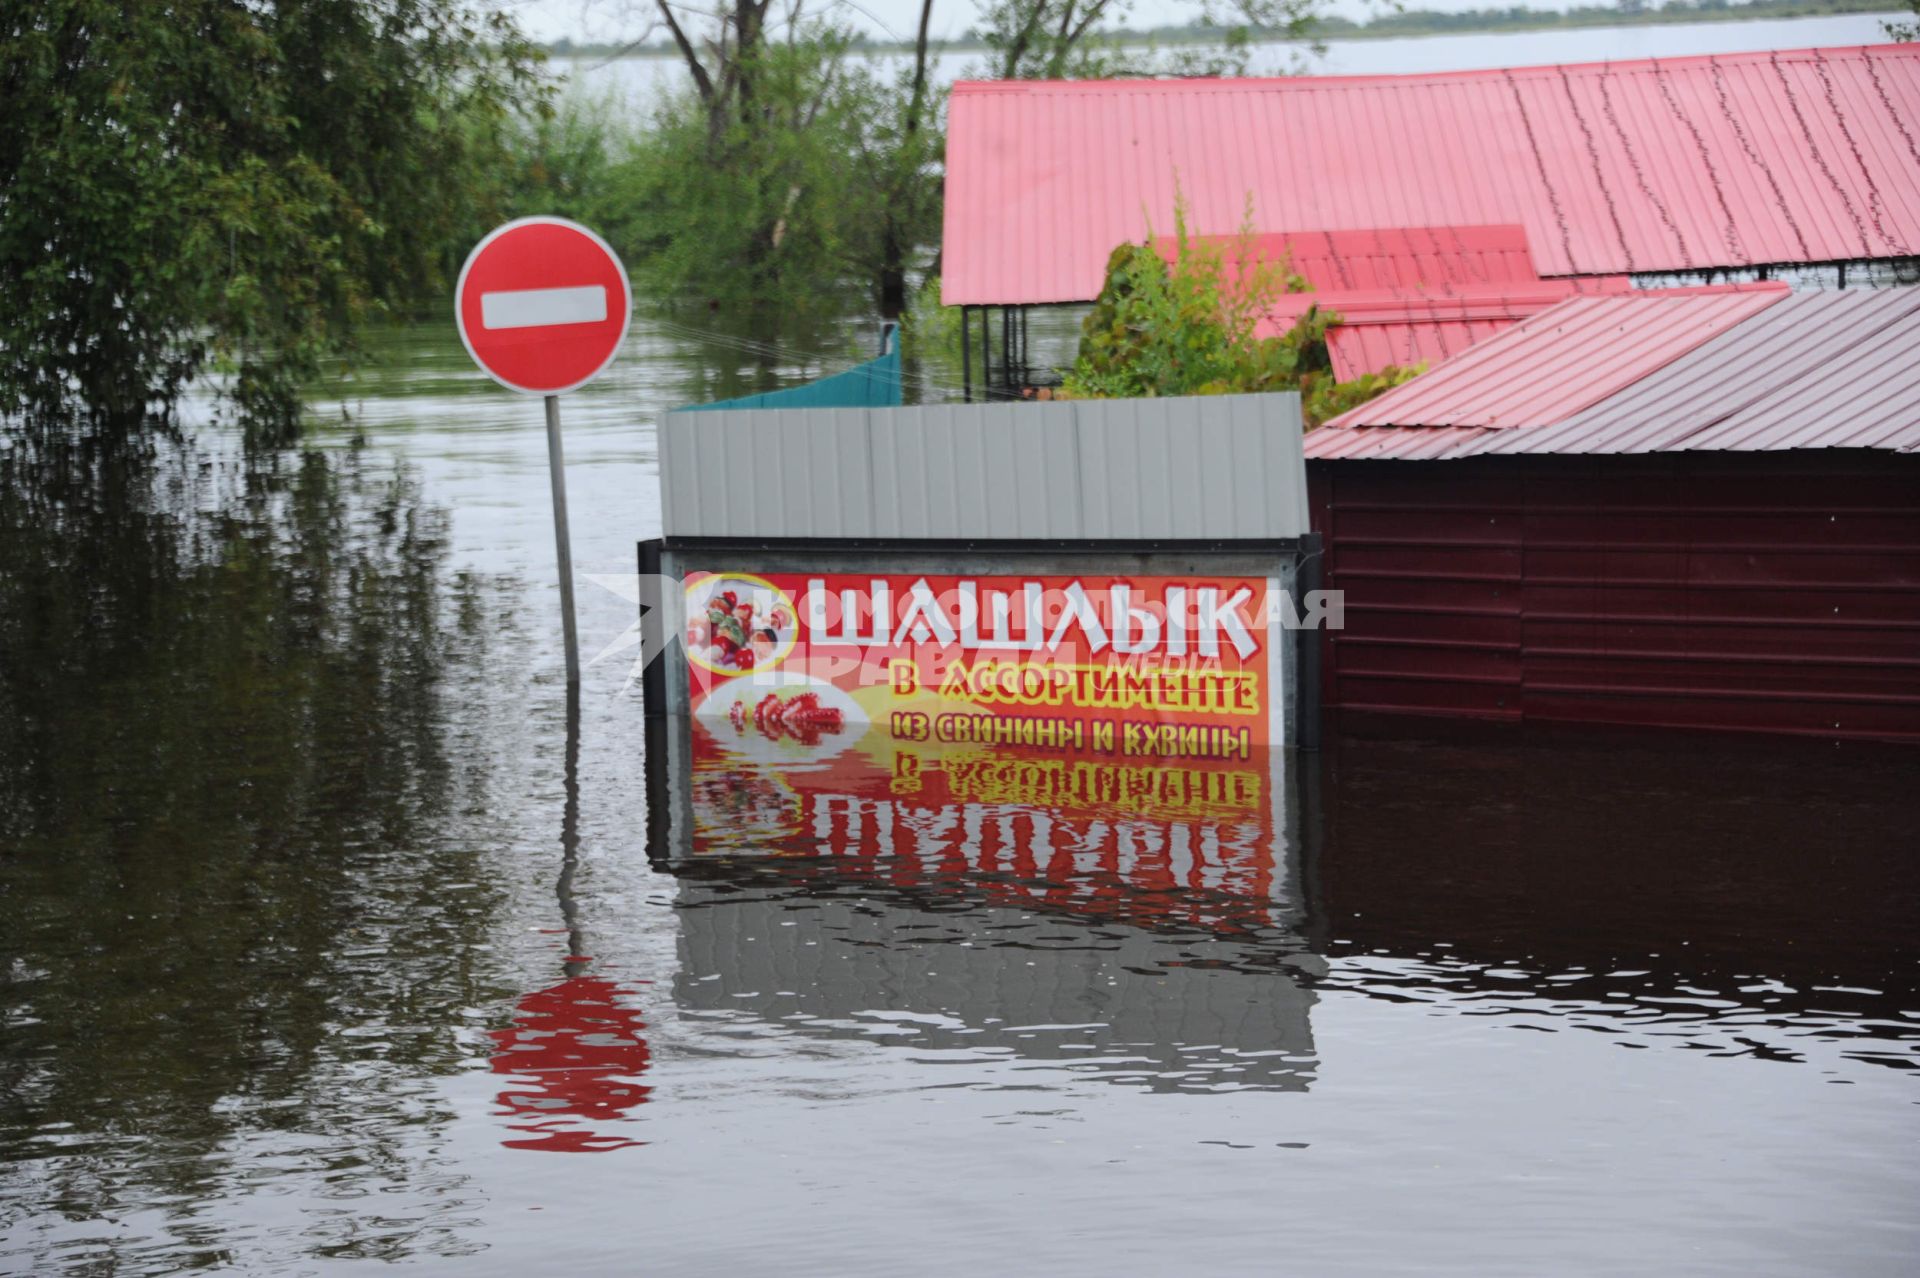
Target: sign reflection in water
[(574, 1049), (1140, 920)]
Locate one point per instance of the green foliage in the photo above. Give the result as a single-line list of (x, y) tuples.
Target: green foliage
[(789, 176), (745, 210), (1191, 327), (1085, 39), (201, 181), (894, 131), (1322, 398), (930, 343), (1904, 31), (559, 161)]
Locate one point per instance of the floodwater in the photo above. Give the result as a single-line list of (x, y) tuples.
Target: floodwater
[(330, 935)]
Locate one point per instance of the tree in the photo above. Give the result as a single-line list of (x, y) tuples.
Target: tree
[(1191, 326), (195, 182), (1904, 31), (897, 136), (1070, 39), (746, 211), (827, 167)]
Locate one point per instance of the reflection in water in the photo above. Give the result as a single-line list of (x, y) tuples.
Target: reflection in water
[(278, 795), (1730, 897), (573, 1050), (1140, 921), (574, 1047), (226, 890), (1173, 926)]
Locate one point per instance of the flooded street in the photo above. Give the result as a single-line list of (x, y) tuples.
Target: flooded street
[(367, 952)]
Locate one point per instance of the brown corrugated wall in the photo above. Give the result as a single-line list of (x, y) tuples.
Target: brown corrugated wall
[(1765, 592)]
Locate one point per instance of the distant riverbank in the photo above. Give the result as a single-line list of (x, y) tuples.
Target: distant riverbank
[(639, 78), (1393, 26)]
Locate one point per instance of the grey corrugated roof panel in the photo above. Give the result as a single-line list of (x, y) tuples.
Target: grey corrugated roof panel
[(1832, 369), (1840, 385)]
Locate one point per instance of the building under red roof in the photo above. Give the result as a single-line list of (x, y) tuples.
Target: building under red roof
[(1406, 295), (1436, 259), (1697, 164), (1405, 329), (1693, 511)]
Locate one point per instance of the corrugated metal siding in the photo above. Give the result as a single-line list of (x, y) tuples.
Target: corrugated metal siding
[(1210, 467), (1761, 592), (1649, 166)]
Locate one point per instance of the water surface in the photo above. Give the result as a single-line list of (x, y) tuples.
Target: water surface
[(330, 936)]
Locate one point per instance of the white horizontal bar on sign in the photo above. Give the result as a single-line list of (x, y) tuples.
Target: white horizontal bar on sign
[(535, 307)]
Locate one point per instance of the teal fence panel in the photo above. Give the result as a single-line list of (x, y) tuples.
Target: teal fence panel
[(874, 384)]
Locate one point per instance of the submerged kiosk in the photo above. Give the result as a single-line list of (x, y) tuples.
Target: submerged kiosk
[(1124, 577), (1005, 693)]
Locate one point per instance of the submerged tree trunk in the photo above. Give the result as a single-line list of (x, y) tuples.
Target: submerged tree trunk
[(892, 282)]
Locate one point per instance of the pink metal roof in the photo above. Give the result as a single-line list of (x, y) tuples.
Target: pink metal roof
[(1732, 371), (1409, 295), (1378, 330), (1427, 257), (1405, 327), (1357, 349), (1820, 370), (1545, 369), (1658, 165)]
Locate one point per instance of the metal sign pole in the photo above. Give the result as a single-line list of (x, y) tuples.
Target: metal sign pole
[(563, 546)]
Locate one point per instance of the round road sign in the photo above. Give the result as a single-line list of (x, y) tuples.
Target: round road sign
[(542, 305)]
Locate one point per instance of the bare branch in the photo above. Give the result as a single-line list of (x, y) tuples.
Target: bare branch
[(916, 103), (1093, 15), (701, 80), (1017, 47)]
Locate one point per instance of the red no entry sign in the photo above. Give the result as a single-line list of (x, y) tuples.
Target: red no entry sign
[(542, 305)]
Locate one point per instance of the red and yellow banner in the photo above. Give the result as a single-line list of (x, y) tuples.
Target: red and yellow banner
[(1127, 667), (1196, 843)]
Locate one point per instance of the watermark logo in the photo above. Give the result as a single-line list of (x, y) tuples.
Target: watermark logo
[(737, 624)]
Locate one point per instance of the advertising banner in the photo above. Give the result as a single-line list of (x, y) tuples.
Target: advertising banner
[(1130, 667), (1190, 843)]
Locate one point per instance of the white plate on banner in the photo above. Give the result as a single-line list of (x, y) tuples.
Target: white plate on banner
[(715, 710)]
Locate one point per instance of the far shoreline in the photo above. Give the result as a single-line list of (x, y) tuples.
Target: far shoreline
[(1403, 28)]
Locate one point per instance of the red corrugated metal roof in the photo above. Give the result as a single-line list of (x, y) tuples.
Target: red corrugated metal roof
[(1545, 369), (1739, 372), (1426, 257), (1408, 295), (1357, 349), (1819, 370), (1657, 165), (1406, 327)]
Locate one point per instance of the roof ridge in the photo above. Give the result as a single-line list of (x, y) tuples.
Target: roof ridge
[(1218, 84)]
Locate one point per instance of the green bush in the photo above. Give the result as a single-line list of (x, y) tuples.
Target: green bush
[(1190, 326)]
